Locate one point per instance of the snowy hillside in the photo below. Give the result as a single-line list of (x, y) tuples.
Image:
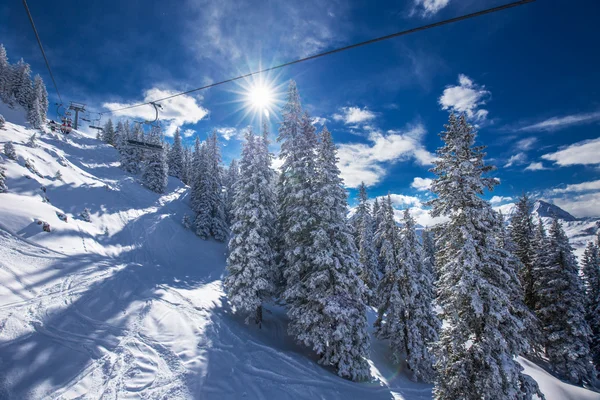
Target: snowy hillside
[(130, 304), (580, 231)]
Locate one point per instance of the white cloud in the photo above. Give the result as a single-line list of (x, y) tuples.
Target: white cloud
[(517, 159), (354, 115), (228, 132), (580, 153), (581, 206), (360, 162), (421, 184), (467, 97), (526, 144), (500, 199), (225, 31), (556, 123), (176, 111), (429, 7), (535, 166), (579, 187), (188, 132), (319, 121)]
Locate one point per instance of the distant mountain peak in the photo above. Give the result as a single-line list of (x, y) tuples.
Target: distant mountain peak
[(542, 209)]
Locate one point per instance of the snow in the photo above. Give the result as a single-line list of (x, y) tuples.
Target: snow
[(131, 304)]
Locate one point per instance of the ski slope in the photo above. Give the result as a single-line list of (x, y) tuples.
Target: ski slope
[(131, 305)]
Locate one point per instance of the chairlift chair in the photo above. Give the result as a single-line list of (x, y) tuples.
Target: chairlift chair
[(145, 145)]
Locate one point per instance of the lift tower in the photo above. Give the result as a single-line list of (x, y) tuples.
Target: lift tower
[(77, 107)]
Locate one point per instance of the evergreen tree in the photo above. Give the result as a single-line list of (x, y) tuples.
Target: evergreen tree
[(120, 137), (6, 78), (40, 92), (32, 142), (21, 87), (9, 151), (200, 198), (155, 169), (405, 313), (2, 121), (521, 232), (176, 160), (378, 214), (296, 218), (196, 175), (3, 187), (506, 256), (251, 261), (591, 273), (560, 308), (219, 228), (34, 116), (481, 335), (186, 172), (327, 310), (230, 179), (429, 251), (108, 133), (362, 223), (129, 155)]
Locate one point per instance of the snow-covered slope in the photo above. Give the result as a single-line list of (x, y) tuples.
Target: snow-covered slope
[(130, 305)]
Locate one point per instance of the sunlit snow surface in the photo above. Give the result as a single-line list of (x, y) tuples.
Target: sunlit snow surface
[(130, 305)]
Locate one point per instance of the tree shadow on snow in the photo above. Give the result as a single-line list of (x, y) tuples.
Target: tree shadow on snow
[(75, 334)]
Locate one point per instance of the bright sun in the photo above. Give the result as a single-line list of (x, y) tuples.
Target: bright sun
[(260, 97)]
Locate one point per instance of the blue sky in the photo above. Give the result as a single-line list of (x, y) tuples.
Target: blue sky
[(527, 77)]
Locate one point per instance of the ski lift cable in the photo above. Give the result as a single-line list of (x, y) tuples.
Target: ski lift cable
[(338, 50), (37, 36)]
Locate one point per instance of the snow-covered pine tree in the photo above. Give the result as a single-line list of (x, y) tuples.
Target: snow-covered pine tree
[(155, 168), (201, 200), (229, 180), (108, 133), (294, 188), (219, 229), (40, 92), (9, 151), (560, 308), (429, 251), (362, 223), (3, 187), (186, 172), (5, 78), (2, 121), (378, 214), (129, 155), (326, 306), (521, 233), (591, 273), (176, 156), (405, 294), (251, 262), (481, 335), (120, 136), (196, 174), (21, 87), (424, 324), (34, 116), (507, 258), (32, 142)]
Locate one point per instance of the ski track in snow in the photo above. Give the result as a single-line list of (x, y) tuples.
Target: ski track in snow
[(140, 312)]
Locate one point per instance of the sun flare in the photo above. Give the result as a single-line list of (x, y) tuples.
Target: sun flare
[(260, 97)]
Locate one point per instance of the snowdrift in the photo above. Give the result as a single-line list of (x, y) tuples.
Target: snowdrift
[(130, 304)]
